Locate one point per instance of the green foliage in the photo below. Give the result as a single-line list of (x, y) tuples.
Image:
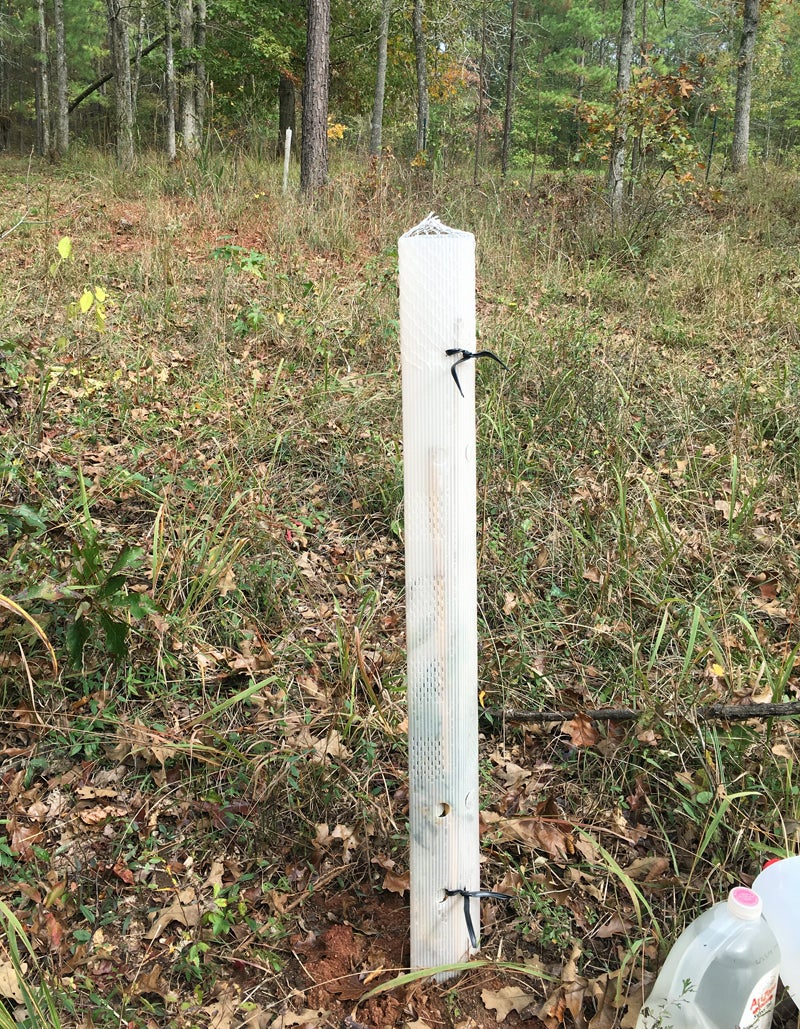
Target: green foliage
[(252, 43)]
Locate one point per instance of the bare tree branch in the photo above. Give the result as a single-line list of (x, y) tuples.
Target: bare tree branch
[(712, 713), (107, 78)]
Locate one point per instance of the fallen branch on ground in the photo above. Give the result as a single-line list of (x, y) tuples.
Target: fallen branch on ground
[(712, 713)]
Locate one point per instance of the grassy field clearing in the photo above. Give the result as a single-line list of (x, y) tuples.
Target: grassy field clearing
[(204, 804)]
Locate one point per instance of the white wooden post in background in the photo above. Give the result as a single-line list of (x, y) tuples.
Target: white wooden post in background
[(287, 153), (437, 313)]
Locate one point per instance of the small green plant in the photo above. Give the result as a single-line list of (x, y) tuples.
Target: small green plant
[(103, 594), (229, 908)]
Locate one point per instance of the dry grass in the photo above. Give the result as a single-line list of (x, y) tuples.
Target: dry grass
[(236, 427)]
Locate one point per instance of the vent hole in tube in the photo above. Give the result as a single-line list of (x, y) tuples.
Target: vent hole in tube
[(444, 809)]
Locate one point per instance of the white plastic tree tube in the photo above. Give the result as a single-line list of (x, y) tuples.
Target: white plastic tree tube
[(437, 313), (287, 153)]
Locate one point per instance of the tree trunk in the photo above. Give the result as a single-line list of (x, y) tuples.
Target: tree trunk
[(200, 67), (744, 87), (43, 91), (481, 90), (314, 149), (579, 95), (637, 149), (5, 98), (121, 60), (616, 170), (62, 81), (188, 94), (376, 131), (286, 111), (423, 105), (170, 85), (508, 119), (136, 74)]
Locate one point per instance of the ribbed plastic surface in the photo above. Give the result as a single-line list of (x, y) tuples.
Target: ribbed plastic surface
[(437, 313)]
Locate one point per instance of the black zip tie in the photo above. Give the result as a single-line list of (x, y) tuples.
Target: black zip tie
[(480, 895), (467, 355)]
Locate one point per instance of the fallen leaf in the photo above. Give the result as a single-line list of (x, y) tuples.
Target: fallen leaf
[(257, 1018), (769, 590), (349, 839), (96, 815), (95, 793), (646, 869), (37, 812), (515, 775), (604, 991), (221, 1013), (325, 747), (56, 805), (122, 871), (9, 982), (616, 925), (552, 1011), (538, 835), (216, 875), (184, 909), (569, 973), (53, 929), (506, 1000), (22, 840), (770, 608), (395, 883), (589, 849), (581, 731)]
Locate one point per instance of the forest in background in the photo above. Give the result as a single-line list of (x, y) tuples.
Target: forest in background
[(521, 85)]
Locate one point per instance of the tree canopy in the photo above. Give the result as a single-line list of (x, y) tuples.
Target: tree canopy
[(563, 94)]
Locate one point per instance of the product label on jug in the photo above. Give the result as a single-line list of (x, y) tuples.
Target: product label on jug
[(757, 1013)]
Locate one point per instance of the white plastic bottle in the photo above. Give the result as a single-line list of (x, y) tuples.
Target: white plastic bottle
[(779, 888), (721, 974)]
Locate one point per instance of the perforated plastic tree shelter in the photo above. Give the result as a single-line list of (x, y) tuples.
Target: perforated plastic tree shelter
[(437, 314)]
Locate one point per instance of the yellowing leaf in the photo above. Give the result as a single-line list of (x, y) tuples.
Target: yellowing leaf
[(281, 317), (100, 294), (86, 301), (65, 248)]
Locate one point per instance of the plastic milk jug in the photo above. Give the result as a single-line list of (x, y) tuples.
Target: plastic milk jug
[(779, 888), (721, 974)]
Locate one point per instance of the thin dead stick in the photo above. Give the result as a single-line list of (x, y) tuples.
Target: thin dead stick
[(712, 713)]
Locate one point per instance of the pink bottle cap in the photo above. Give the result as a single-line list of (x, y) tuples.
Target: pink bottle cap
[(745, 904)]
